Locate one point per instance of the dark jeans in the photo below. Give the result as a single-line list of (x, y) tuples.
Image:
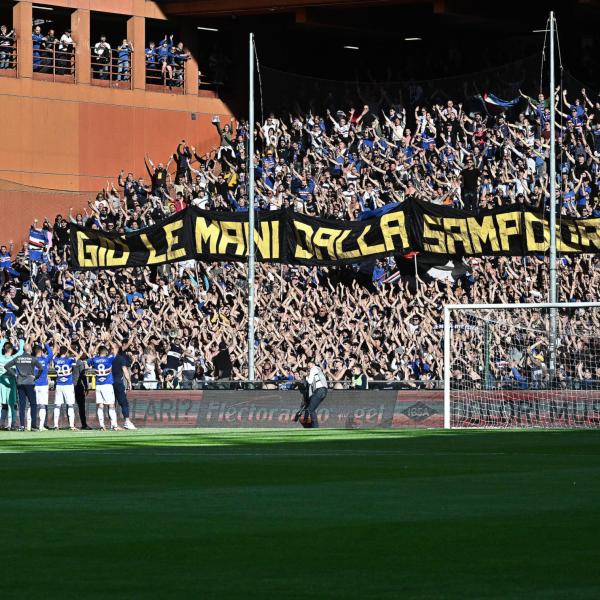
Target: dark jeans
[(63, 63), (470, 201), (80, 399), (5, 59), (313, 403), (27, 392), (121, 398)]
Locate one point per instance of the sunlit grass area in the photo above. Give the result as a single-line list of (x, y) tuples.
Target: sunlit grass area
[(300, 514)]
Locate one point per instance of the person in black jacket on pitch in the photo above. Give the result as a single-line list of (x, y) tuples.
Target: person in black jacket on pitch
[(122, 382), (222, 363), (81, 390)]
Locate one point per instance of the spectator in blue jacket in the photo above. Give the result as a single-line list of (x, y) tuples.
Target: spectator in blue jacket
[(151, 61), (38, 44), (164, 58), (124, 60), (6, 270), (178, 58), (7, 41)]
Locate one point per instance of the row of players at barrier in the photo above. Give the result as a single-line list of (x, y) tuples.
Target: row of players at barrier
[(24, 382), (383, 319)]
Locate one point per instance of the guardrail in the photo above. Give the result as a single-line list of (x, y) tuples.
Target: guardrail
[(183, 382), (206, 88), (112, 69), (165, 77), (52, 64), (8, 60), (55, 64)]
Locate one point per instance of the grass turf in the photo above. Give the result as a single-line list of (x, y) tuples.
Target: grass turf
[(300, 514)]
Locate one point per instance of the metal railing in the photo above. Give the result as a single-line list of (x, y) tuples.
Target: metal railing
[(168, 77), (57, 64), (112, 69), (180, 382), (8, 60), (207, 88), (54, 64)]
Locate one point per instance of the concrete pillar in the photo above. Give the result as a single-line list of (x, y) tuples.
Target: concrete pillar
[(189, 37), (80, 30), (136, 34), (22, 24)]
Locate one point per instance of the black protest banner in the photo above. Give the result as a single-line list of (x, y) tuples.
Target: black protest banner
[(509, 230), (573, 236), (224, 235), (164, 242), (189, 234), (326, 241), (290, 237), (443, 230), (279, 236)]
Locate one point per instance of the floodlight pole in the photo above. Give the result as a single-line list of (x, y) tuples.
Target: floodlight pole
[(251, 209), (552, 271)]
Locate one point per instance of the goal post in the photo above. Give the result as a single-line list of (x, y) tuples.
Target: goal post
[(513, 365)]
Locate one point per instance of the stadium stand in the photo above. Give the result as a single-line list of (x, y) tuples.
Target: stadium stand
[(384, 318)]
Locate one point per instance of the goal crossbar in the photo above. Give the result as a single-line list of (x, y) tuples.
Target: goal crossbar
[(528, 305)]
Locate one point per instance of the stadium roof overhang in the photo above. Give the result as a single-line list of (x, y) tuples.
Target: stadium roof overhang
[(241, 7), (456, 35), (511, 15)]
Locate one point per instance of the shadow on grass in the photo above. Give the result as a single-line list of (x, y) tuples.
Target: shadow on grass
[(244, 441)]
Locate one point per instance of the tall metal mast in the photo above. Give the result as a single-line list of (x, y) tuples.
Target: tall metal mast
[(552, 271), (251, 209)]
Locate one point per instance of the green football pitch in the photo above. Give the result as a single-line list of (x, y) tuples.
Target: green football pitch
[(300, 514)]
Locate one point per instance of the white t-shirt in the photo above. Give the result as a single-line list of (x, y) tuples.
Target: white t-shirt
[(343, 130), (274, 125), (101, 47), (316, 379), (397, 131), (201, 203), (189, 359), (65, 41)]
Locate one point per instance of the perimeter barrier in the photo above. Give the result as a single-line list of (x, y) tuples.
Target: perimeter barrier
[(342, 409)]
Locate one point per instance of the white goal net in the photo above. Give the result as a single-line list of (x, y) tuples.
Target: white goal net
[(520, 366)]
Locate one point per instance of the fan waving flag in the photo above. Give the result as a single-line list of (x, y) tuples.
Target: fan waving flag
[(496, 103), (429, 268)]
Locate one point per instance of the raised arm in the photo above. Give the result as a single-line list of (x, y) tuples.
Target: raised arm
[(149, 165)]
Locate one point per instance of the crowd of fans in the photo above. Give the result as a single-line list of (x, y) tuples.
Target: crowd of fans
[(7, 40), (358, 320), (52, 54), (165, 61)]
